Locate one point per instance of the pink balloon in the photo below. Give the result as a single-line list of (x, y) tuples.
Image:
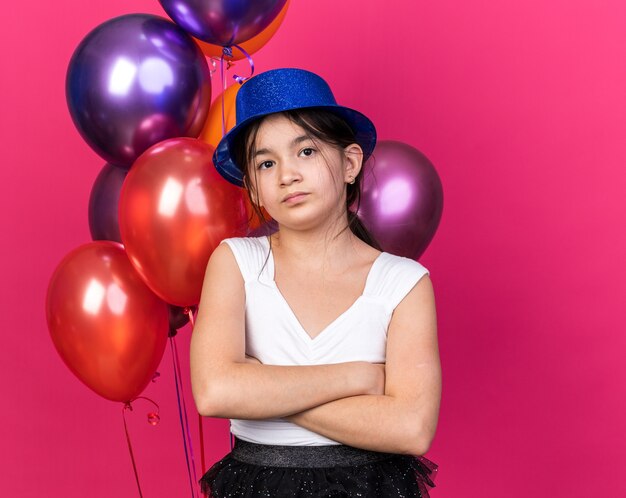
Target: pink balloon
[(401, 198)]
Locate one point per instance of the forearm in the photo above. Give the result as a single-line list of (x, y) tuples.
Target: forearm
[(257, 391), (373, 422)]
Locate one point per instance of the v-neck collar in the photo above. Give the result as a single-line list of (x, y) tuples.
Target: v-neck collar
[(271, 278)]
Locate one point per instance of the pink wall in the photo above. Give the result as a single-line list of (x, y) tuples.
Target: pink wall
[(520, 106)]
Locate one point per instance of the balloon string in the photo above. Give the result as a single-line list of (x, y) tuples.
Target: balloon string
[(189, 312), (180, 416), (228, 51), (130, 447), (223, 81), (153, 419), (241, 79), (201, 433), (180, 378), (147, 399), (213, 68)]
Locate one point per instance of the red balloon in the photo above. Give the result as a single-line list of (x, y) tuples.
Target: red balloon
[(107, 325), (174, 210)]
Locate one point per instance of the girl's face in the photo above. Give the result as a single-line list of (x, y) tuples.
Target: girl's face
[(287, 161)]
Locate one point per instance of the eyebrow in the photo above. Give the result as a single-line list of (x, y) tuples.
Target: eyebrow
[(295, 141)]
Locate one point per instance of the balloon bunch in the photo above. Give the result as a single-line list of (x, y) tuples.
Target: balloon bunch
[(138, 89)]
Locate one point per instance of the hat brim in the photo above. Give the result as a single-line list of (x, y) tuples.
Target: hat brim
[(364, 131)]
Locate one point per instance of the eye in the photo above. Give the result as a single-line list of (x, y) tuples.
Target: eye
[(309, 149), (264, 163)]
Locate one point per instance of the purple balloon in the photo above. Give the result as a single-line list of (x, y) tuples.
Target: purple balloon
[(223, 22), (401, 199), (103, 201), (136, 80)]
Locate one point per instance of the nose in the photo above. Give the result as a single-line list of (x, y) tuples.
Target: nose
[(288, 173)]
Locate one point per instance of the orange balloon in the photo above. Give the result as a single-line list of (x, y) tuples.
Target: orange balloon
[(252, 45), (212, 131), (174, 209), (106, 324)]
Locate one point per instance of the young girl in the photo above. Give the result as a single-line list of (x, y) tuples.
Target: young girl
[(320, 347)]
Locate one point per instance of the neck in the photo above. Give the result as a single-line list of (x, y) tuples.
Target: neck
[(320, 247)]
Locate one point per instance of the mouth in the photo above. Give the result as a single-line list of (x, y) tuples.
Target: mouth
[(294, 197)]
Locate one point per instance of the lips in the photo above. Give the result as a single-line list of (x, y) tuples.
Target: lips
[(293, 194)]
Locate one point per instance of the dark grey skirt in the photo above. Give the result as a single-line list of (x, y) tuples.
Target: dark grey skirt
[(254, 470)]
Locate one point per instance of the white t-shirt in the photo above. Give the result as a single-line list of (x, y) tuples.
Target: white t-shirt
[(275, 336)]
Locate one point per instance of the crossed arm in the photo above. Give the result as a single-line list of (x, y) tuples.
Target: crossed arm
[(403, 417), (394, 409)]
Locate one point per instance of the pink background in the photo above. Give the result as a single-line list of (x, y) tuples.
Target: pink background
[(522, 109)]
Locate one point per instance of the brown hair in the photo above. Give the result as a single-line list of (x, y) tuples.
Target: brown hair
[(320, 124)]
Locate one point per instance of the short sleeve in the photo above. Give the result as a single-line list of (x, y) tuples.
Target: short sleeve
[(398, 276), (248, 254)]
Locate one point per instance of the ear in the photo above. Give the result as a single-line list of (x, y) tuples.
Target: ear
[(353, 161)]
